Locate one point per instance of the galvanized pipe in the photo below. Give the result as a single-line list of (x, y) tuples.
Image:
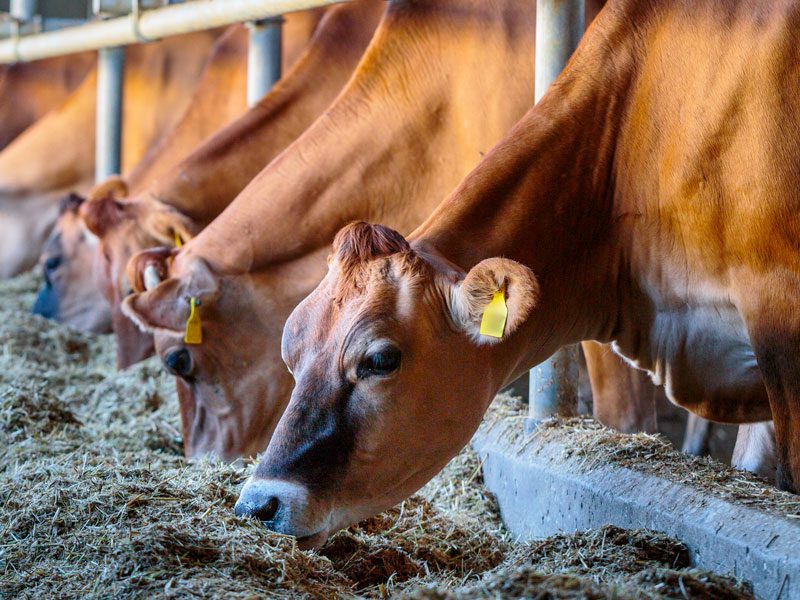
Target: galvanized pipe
[(152, 25), (553, 385), (263, 57), (559, 27), (23, 10), (108, 133), (560, 24)]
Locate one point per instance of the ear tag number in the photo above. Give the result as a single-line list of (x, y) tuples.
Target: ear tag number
[(494, 316), (178, 240), (194, 327)]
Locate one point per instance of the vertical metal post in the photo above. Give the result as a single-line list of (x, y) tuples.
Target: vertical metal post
[(553, 384), (559, 28), (263, 57), (108, 147), (23, 10)]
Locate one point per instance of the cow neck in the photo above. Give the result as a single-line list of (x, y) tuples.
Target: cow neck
[(387, 149), (204, 184), (209, 110), (544, 197), (51, 153)]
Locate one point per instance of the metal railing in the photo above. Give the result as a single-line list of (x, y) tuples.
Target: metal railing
[(148, 26), (108, 36)]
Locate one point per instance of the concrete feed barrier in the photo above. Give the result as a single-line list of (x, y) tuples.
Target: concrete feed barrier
[(545, 485)]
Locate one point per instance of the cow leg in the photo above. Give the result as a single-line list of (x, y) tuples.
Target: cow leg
[(779, 361), (755, 450), (696, 440), (771, 312), (623, 397)]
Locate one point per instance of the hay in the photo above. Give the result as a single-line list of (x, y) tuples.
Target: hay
[(96, 501), (598, 445), (600, 563)]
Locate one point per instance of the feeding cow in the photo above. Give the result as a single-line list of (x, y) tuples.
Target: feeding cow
[(71, 291), (56, 155), (178, 361), (440, 83), (73, 288), (188, 196), (649, 200)]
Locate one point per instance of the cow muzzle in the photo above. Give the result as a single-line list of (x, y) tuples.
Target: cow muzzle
[(283, 507), (46, 304)]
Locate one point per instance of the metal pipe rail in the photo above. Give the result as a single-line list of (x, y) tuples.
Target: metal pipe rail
[(263, 57), (150, 25), (110, 80), (553, 385)]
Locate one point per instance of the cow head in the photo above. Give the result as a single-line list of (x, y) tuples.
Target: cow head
[(392, 377), (69, 293), (232, 386), (124, 227)]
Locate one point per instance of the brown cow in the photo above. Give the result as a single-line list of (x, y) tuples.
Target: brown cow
[(649, 200), (195, 191), (69, 293), (70, 264), (441, 82), (28, 91), (56, 154), (70, 256)]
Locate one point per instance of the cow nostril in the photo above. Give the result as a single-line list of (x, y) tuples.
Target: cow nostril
[(268, 511), (179, 362)]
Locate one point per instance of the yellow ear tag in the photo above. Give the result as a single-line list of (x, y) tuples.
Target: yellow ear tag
[(178, 240), (494, 316), (194, 327)]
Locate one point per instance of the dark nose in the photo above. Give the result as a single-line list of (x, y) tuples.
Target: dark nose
[(46, 304), (179, 362), (262, 511)]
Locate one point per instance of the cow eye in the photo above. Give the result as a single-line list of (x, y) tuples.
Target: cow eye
[(52, 263), (179, 362), (382, 362)]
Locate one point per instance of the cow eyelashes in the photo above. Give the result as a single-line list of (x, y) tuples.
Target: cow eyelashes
[(380, 363)]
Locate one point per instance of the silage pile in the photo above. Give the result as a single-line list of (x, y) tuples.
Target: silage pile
[(96, 501)]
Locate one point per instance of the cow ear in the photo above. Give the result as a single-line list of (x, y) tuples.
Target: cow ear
[(494, 299), (168, 224), (115, 188), (148, 268), (165, 307), (70, 203), (103, 209)]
